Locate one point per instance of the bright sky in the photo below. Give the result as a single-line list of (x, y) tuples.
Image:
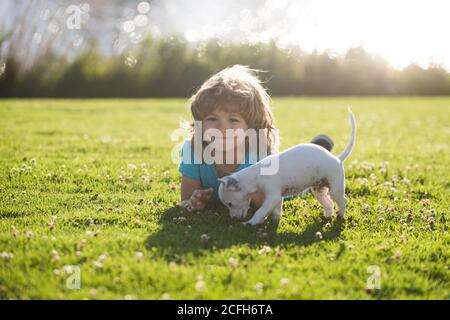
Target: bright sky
[(401, 31)]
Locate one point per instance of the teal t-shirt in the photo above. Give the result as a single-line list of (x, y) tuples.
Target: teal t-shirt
[(206, 173)]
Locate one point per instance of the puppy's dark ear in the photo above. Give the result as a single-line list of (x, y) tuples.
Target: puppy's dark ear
[(233, 184), (230, 183)]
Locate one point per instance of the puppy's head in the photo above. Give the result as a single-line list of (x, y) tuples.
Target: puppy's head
[(234, 197)]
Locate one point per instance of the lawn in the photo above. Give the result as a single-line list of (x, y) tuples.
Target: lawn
[(88, 192)]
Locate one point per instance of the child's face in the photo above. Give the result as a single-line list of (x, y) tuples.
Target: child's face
[(225, 121)]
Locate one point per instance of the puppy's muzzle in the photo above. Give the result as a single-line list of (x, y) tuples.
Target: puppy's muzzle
[(239, 214)]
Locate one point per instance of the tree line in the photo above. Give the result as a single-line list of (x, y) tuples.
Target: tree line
[(173, 67)]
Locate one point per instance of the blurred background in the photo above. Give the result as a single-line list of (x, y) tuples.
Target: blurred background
[(167, 48)]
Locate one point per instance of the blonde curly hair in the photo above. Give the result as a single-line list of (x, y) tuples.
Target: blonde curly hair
[(237, 89)]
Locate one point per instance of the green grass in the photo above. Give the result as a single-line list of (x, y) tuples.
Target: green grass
[(67, 175)]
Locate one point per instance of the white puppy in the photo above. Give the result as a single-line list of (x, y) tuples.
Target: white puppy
[(300, 167)]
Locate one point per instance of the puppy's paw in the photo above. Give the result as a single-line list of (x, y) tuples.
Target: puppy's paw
[(251, 223)]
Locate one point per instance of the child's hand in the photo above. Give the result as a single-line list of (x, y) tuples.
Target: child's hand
[(200, 198)]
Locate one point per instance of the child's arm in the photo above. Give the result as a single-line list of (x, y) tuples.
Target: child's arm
[(193, 195), (188, 186)]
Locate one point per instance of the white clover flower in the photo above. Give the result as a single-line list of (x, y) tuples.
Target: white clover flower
[(365, 208), (264, 249), (132, 166), (15, 232), (388, 184), (146, 179), (259, 287), (179, 219), (200, 286), (139, 256), (233, 262), (165, 296), (364, 181), (319, 235), (7, 255), (67, 269), (204, 237), (284, 282), (29, 234), (55, 255)]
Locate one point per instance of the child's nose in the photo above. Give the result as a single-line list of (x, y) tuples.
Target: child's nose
[(223, 126)]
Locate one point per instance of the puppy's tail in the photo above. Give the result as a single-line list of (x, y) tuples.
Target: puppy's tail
[(350, 145)]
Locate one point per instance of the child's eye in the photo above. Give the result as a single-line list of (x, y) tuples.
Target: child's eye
[(211, 118), (234, 120)]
